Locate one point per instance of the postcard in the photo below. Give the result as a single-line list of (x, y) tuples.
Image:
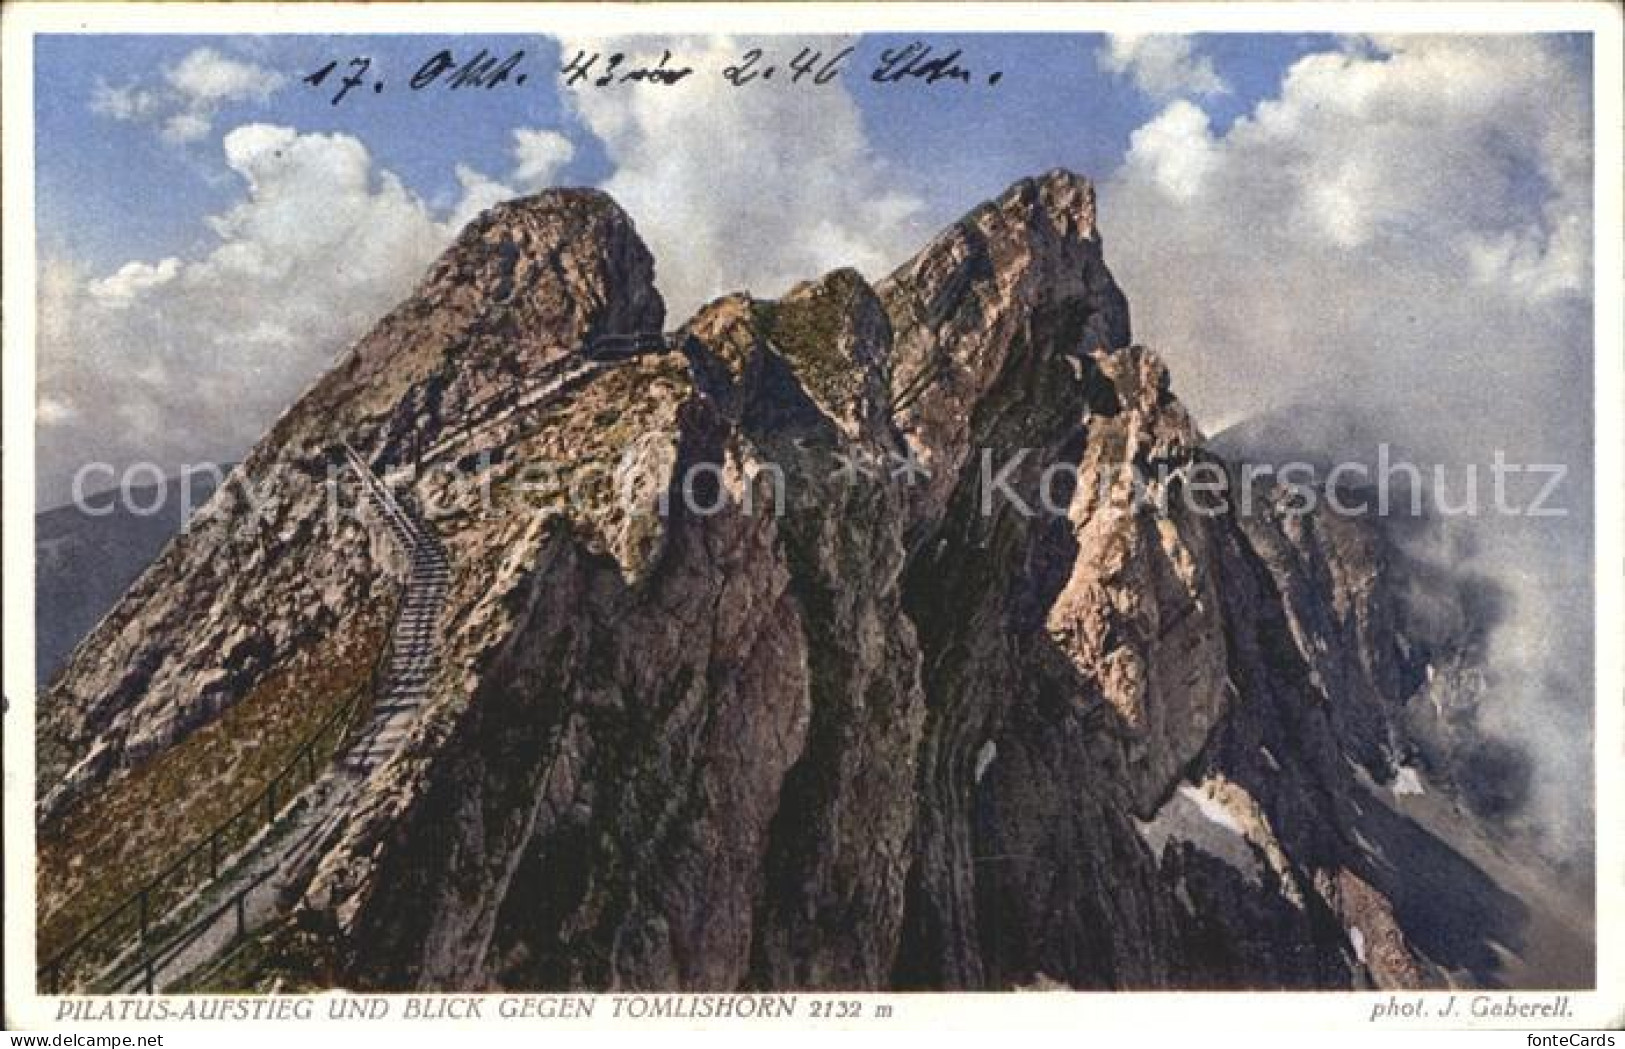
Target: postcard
[(550, 516)]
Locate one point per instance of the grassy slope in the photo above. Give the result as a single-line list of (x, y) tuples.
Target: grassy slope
[(117, 838)]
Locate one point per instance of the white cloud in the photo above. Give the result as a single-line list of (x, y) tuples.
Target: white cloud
[(1424, 209), (50, 412), (746, 189), (206, 76), (133, 278), (539, 156), (183, 103), (1404, 234), (127, 102), (186, 127), (1162, 65), (1175, 151), (193, 357)]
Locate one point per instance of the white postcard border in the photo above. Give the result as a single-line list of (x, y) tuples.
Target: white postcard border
[(22, 21)]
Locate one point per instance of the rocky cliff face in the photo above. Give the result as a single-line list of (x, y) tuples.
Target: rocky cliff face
[(863, 638)]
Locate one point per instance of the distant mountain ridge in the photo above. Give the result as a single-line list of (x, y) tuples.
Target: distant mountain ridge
[(87, 554)]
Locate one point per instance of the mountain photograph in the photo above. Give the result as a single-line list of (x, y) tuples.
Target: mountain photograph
[(931, 529)]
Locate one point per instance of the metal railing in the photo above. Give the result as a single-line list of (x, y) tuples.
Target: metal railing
[(600, 350), (135, 916), (142, 972)]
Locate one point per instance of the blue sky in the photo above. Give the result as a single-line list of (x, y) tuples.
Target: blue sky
[(110, 190), (149, 197), (1382, 220)]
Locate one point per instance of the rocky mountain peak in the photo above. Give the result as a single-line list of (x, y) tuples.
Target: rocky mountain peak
[(1015, 287), (563, 258), (523, 288), (838, 716), (1064, 199), (821, 353)]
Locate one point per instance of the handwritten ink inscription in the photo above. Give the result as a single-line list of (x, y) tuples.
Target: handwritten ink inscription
[(445, 70)]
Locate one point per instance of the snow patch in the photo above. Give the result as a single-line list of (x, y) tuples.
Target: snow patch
[(1407, 782), (1211, 809), (1194, 817), (984, 758), (1357, 941)]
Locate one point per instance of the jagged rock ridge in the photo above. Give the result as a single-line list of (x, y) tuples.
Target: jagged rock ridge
[(847, 730)]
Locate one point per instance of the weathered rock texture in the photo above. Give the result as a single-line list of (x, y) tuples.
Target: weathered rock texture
[(864, 639)]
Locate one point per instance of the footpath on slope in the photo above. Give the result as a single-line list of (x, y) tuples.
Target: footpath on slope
[(244, 890)]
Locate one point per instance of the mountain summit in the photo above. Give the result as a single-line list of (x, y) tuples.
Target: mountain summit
[(861, 638)]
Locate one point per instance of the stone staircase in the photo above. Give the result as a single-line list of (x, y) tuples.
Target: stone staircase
[(249, 889), (255, 890), (244, 890), (414, 641)]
